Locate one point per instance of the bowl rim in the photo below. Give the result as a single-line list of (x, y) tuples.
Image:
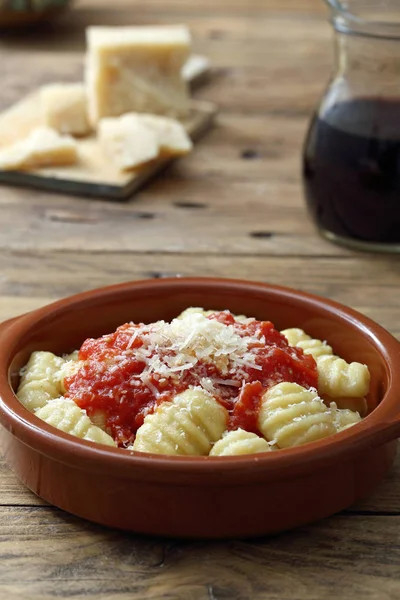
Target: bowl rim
[(381, 426)]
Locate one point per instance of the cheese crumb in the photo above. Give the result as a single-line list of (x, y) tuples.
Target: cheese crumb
[(135, 139), (170, 349), (64, 108), (127, 141), (44, 147), (171, 134)]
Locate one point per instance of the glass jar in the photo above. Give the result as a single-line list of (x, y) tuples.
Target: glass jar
[(351, 160)]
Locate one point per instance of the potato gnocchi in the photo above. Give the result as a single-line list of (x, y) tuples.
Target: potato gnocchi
[(208, 383)]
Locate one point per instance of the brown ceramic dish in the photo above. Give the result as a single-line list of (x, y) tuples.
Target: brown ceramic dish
[(191, 496)]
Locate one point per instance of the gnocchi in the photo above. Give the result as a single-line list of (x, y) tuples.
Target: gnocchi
[(208, 383)]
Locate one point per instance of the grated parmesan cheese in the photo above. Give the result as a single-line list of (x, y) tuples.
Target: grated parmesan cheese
[(196, 338), (170, 349)]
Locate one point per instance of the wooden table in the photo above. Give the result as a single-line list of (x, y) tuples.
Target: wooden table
[(233, 208)]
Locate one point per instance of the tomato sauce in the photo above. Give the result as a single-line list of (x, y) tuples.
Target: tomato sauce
[(115, 379)]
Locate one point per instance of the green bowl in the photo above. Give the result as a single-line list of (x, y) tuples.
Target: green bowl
[(15, 13)]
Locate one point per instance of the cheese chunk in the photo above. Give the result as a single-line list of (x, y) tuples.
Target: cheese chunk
[(135, 139), (172, 137), (64, 108), (44, 147), (136, 69), (127, 141)]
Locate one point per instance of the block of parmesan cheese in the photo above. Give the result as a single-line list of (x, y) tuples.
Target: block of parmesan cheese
[(171, 134), (127, 141), (64, 108), (44, 147), (136, 69)]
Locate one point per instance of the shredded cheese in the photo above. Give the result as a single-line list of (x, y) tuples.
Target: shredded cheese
[(170, 349)]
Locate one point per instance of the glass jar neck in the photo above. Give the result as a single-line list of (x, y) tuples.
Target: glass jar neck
[(366, 17), (370, 65)]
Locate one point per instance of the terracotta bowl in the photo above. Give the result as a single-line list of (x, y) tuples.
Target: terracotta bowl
[(190, 496)]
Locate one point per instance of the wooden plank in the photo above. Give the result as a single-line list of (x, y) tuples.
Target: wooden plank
[(68, 31), (236, 7), (357, 280), (48, 554), (156, 224), (206, 23)]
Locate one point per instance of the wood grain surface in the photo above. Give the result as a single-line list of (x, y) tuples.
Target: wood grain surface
[(233, 208)]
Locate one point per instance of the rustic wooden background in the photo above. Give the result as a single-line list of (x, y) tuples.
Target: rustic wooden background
[(233, 208)]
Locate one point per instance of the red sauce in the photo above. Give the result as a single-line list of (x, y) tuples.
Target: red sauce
[(110, 379), (246, 408)]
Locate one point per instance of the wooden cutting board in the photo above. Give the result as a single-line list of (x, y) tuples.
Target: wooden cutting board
[(93, 175)]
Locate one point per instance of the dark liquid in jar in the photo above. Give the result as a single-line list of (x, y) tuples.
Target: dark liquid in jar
[(352, 170)]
